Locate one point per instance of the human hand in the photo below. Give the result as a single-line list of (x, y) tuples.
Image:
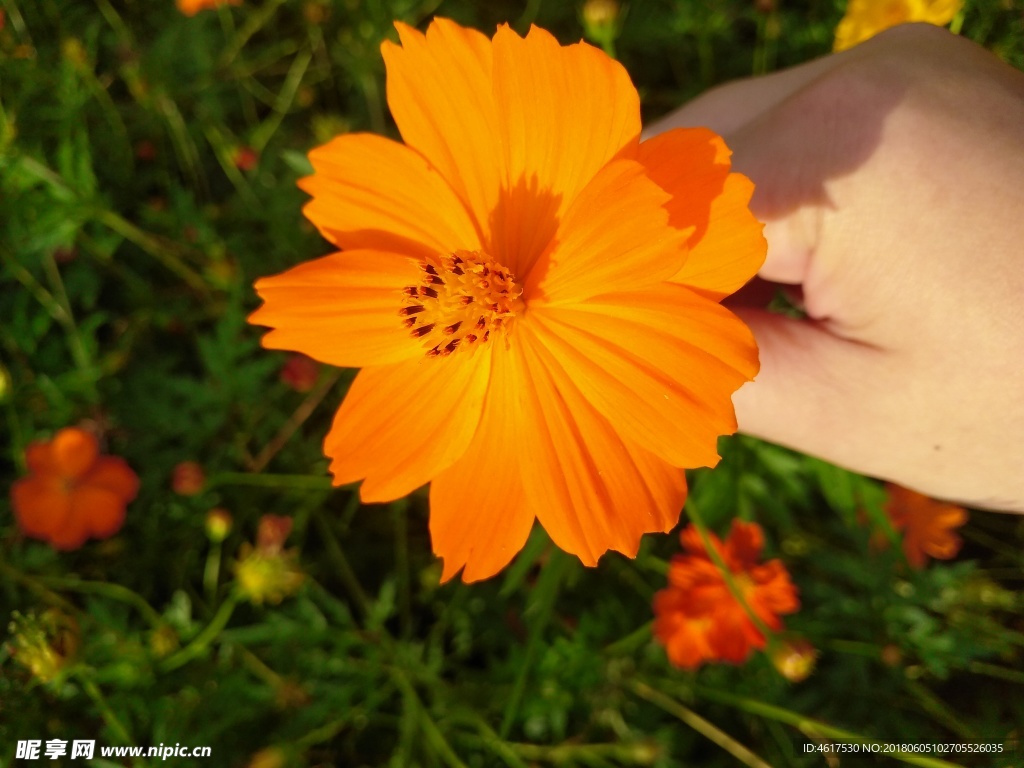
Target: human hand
[(891, 181)]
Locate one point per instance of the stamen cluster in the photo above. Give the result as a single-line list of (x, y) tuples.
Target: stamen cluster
[(464, 297)]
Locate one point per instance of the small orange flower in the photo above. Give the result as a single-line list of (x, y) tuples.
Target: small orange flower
[(928, 525), (192, 7), (72, 493), (866, 18), (697, 618), (532, 294)]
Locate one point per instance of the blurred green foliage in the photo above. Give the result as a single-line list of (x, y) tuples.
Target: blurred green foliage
[(147, 176)]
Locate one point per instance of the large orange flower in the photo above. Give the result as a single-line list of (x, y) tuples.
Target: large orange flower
[(532, 294), (72, 493), (928, 526), (698, 619)]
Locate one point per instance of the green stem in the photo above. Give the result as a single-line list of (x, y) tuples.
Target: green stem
[(211, 573), (853, 647), (298, 482), (432, 733), (34, 586), (716, 558), (699, 724), (958, 22), (111, 719), (399, 510), (631, 753), (934, 706), (154, 248), (204, 639), (814, 729), (85, 365), (992, 670), (490, 740), (344, 570), (296, 420), (548, 584), (104, 589), (628, 645)]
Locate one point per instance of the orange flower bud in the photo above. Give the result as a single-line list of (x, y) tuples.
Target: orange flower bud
[(192, 7), (272, 532), (188, 478), (892, 656), (244, 158), (145, 150), (300, 372)]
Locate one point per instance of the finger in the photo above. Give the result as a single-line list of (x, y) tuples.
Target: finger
[(727, 108), (807, 394)]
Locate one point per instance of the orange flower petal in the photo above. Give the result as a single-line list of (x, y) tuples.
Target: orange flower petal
[(73, 452), (401, 425), (39, 458), (341, 309), (439, 91), (662, 377), (773, 593), (691, 164), (537, 83), (743, 546), (928, 525), (731, 634), (479, 517), (371, 192), (113, 474), (71, 534), (727, 246), (733, 248), (683, 636), (98, 511), (615, 235), (41, 505), (591, 490)]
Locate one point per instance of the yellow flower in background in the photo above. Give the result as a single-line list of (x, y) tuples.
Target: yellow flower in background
[(866, 18), (268, 573), (43, 643)]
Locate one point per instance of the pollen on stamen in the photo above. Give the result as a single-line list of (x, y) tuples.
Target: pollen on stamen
[(463, 296)]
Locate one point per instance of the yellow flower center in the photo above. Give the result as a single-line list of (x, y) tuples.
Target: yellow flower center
[(464, 298)]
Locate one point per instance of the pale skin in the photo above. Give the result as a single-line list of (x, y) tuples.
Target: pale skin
[(890, 178)]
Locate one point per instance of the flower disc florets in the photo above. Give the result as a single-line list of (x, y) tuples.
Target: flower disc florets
[(462, 300)]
